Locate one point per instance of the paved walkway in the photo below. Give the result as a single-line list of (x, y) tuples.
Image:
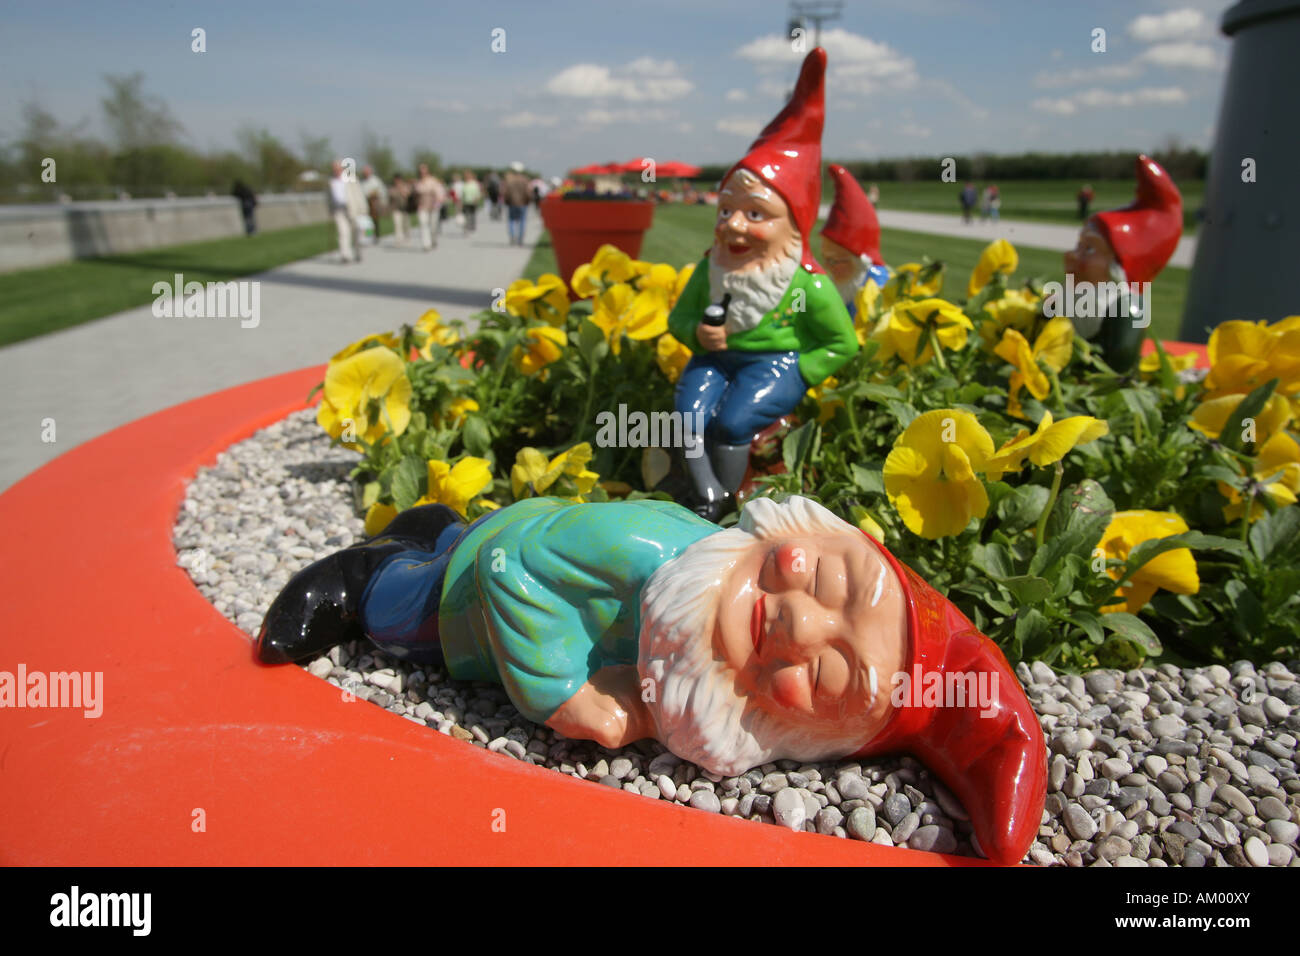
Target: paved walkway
[(95, 377), (1041, 235)]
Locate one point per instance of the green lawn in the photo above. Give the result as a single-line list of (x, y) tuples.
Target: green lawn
[(1033, 199), (680, 234), (36, 301)]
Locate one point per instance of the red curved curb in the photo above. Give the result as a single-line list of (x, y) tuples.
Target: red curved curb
[(1180, 348), (282, 769)]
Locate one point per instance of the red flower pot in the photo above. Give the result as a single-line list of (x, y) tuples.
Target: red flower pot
[(579, 227)]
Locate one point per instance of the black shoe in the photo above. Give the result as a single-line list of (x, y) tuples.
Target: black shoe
[(713, 510), (321, 604)]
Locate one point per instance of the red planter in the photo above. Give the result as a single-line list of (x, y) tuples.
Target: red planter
[(579, 227)]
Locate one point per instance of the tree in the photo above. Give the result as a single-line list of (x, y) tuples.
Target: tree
[(133, 119), (277, 168), (378, 154), (317, 153)]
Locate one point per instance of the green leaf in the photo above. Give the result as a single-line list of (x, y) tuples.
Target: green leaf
[(1281, 527), (369, 494), (1076, 524), (1168, 378), (1021, 508), (1132, 628), (797, 444), (1250, 407), (1030, 623), (993, 559), (1091, 624), (1195, 540), (476, 435), (409, 478), (867, 480), (1027, 589), (591, 342), (904, 413)]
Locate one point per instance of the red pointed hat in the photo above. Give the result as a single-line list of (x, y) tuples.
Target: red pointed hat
[(1145, 233), (852, 222), (788, 154), (992, 758)]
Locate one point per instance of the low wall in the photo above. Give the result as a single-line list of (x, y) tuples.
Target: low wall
[(45, 235)]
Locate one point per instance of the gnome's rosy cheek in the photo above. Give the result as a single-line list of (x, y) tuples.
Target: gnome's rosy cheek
[(790, 688)]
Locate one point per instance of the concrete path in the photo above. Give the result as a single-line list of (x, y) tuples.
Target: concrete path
[(103, 374), (1041, 235)]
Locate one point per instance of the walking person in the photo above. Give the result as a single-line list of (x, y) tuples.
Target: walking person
[(967, 198), (399, 195), (247, 203), (342, 205), (494, 195), (376, 196), (1084, 198), (517, 195), (992, 201), (471, 195), (430, 196)]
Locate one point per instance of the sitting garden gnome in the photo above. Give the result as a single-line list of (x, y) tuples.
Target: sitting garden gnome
[(784, 637), (1125, 246), (851, 239), (763, 321)]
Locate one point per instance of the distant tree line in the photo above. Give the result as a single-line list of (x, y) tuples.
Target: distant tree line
[(1182, 163), (146, 155)]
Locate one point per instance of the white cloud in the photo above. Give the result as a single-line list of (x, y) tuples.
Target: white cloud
[(1196, 56), (526, 119), (1166, 26), (857, 64), (1054, 79), (1099, 99), (736, 96), (604, 117), (642, 80), (739, 126), (913, 129), (446, 106)]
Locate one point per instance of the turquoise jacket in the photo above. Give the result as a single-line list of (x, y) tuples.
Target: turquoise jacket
[(544, 593)]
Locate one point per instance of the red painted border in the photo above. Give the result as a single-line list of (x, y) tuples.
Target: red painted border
[(284, 771)]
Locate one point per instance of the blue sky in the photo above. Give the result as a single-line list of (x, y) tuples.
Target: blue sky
[(584, 82)]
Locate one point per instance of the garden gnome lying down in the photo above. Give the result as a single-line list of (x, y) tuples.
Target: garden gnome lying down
[(780, 638)]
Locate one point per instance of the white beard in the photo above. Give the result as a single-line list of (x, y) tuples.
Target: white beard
[(755, 290), (698, 711)]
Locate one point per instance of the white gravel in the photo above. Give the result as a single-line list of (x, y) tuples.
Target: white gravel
[(1153, 767)]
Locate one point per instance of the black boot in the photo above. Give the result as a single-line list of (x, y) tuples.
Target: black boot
[(321, 604)]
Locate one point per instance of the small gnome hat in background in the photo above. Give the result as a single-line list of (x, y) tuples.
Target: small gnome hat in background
[(1145, 233), (852, 222), (788, 153), (996, 765)]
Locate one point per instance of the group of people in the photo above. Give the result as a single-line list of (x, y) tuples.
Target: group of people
[(429, 198), (989, 202)]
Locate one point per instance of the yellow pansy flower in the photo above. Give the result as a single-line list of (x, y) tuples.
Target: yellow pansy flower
[(1276, 471), (378, 517), (384, 339), (1211, 416), (1047, 444), (683, 276), (546, 346), (366, 395), (458, 409), (905, 334), (826, 405), (1245, 355), (1173, 571), (547, 300), (1016, 309), (1053, 347), (868, 525), (930, 474), (998, 256), (905, 283), (1150, 364), (531, 468), (671, 356), (455, 485), (865, 319), (610, 265), (621, 310)]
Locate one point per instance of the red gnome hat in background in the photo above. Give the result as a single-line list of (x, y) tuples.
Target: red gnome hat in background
[(788, 154), (992, 757), (1145, 233), (852, 222)]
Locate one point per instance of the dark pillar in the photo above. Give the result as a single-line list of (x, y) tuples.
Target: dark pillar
[(1248, 246)]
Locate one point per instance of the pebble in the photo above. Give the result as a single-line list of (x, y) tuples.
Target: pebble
[(704, 800), (789, 809), (933, 838), (1077, 821), (861, 824)]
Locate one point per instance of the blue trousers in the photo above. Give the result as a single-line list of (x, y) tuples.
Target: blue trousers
[(515, 226), (739, 393)]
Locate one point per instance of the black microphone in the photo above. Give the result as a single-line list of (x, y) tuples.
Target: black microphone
[(716, 315)]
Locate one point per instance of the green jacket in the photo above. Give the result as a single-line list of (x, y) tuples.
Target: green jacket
[(821, 332), (544, 593)]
